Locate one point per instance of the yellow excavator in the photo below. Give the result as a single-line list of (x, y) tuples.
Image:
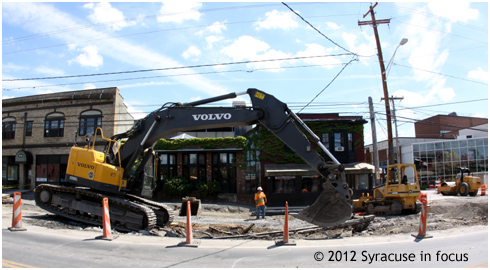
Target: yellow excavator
[(463, 185), (119, 172), (399, 193)]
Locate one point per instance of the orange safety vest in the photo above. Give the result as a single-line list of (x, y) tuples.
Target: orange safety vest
[(260, 198)]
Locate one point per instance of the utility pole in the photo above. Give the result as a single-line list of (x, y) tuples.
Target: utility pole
[(375, 141), (374, 23), (398, 149)]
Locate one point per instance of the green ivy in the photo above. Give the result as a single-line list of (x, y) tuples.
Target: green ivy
[(201, 143), (274, 150)]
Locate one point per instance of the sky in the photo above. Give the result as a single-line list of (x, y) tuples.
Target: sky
[(314, 56)]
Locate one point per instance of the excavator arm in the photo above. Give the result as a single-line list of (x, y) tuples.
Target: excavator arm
[(332, 207)]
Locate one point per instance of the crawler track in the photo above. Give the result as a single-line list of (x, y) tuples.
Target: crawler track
[(83, 205)]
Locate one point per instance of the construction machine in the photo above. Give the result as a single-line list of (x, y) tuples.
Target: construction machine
[(398, 194), (463, 185), (118, 172)]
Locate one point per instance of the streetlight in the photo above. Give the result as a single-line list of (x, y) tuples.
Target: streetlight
[(388, 67)]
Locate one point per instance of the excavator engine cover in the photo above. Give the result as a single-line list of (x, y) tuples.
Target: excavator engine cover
[(331, 208)]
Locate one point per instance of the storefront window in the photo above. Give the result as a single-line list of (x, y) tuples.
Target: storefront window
[(284, 184)]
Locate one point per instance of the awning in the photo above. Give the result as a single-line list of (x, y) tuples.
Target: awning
[(183, 136), (306, 170)]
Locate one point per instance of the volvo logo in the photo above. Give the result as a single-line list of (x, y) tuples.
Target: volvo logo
[(212, 116), (88, 166)]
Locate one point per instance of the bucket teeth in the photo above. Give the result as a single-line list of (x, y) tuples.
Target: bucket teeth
[(329, 209)]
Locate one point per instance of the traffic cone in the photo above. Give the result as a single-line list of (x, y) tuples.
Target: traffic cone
[(483, 190), (189, 241), (423, 219), (285, 237), (17, 214), (106, 222)]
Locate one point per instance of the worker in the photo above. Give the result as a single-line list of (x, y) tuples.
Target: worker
[(260, 201)]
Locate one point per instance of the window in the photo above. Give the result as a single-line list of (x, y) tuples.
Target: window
[(8, 128), (54, 125), (325, 140), (338, 142), (89, 121), (224, 171), (350, 141), (29, 128), (168, 167), (195, 166)]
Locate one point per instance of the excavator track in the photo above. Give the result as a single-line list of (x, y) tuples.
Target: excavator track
[(164, 214), (84, 205)]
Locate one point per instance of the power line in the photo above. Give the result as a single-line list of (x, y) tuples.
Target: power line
[(318, 30), (353, 59), (173, 68), (164, 76), (454, 77)]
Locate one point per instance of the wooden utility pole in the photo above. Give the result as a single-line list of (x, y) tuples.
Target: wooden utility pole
[(374, 23), (398, 148), (375, 140)]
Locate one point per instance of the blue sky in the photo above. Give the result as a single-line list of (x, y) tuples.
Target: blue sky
[(442, 69)]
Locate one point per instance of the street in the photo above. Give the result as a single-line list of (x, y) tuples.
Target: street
[(459, 247)]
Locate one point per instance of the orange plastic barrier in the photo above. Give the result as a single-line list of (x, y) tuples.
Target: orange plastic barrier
[(423, 218), (285, 238), (106, 222), (483, 190), (189, 241), (17, 214)]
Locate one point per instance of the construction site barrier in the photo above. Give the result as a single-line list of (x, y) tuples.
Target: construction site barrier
[(285, 237), (106, 222), (17, 214), (423, 219), (189, 241), (483, 190)]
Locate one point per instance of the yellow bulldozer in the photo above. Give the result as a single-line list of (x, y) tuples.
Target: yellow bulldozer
[(463, 185), (397, 195)]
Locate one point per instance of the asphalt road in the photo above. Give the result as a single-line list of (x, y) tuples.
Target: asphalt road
[(461, 247)]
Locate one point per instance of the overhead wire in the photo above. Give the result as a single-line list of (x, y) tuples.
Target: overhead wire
[(173, 68)]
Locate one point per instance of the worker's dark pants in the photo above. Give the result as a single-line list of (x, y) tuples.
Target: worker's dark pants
[(260, 209)]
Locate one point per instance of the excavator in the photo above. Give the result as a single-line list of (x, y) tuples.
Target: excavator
[(118, 172)]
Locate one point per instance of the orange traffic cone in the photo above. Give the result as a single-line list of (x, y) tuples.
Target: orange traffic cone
[(423, 219), (189, 241), (285, 237), (106, 222), (483, 190), (17, 214)]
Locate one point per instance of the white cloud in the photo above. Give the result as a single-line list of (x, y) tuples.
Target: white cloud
[(49, 71), (211, 40), (179, 11), (333, 25), (317, 49), (8, 67), (137, 114), (250, 48), (90, 57), (277, 20), (103, 12), (89, 86), (478, 74), (457, 11), (354, 45), (215, 28), (192, 52)]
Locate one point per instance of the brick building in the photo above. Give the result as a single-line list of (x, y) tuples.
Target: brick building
[(445, 126), (38, 131)]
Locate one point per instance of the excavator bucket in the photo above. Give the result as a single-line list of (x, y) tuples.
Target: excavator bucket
[(330, 209)]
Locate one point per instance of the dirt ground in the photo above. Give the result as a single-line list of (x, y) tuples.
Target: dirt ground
[(221, 221)]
